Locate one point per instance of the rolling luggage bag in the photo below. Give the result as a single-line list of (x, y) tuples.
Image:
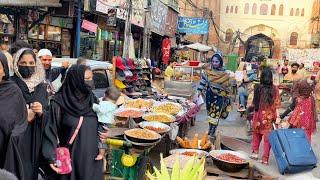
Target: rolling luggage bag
[(292, 150)]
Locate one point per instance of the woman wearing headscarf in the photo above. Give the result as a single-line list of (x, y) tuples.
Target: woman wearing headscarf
[(73, 100), (13, 122), (214, 85), (304, 114), (29, 75)]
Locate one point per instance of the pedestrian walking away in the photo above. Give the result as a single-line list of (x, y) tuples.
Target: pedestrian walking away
[(266, 101)]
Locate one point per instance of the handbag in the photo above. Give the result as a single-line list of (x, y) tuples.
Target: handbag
[(63, 158)]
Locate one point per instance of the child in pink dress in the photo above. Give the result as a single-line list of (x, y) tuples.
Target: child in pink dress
[(304, 114), (266, 102)]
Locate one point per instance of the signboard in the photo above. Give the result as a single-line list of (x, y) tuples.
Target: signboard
[(171, 23), (103, 6), (166, 51), (137, 16), (191, 25), (112, 17), (158, 17), (90, 26)]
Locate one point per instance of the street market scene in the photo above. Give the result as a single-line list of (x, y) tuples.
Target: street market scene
[(159, 89)]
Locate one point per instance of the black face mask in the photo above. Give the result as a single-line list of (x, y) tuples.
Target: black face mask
[(294, 71), (89, 84), (26, 71)]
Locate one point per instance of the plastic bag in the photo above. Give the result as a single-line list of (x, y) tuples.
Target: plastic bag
[(174, 131)]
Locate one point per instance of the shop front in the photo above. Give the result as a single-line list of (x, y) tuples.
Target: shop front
[(6, 29), (159, 13), (107, 41), (53, 33)]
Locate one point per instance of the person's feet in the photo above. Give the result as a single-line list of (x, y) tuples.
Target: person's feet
[(99, 157), (254, 156), (241, 109)]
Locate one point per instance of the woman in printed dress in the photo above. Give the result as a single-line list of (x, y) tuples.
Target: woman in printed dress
[(304, 114), (266, 101), (214, 85)]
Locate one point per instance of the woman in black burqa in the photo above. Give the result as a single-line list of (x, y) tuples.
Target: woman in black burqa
[(29, 75), (74, 99), (13, 122)]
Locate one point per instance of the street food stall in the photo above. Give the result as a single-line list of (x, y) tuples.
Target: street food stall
[(187, 74), (184, 81), (140, 125)]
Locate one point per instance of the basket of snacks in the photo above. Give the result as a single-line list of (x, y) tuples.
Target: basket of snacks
[(123, 114), (159, 117), (139, 135), (229, 161), (167, 107), (157, 127)]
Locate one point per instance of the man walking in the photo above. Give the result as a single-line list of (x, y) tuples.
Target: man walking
[(52, 74)]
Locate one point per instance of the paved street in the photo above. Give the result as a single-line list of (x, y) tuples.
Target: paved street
[(235, 126)]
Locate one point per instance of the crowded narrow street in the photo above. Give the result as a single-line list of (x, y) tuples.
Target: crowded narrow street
[(159, 89)]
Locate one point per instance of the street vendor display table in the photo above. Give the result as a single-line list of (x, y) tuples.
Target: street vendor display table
[(184, 81)]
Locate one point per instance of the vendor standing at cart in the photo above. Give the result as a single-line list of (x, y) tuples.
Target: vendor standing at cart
[(214, 85)]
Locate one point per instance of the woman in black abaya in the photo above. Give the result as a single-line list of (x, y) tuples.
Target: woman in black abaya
[(29, 75), (13, 122), (74, 99)]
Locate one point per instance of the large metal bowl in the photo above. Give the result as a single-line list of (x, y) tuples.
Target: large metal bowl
[(200, 153), (141, 139), (155, 124), (173, 119), (226, 165)]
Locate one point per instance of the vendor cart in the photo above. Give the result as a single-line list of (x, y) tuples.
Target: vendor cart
[(184, 81)]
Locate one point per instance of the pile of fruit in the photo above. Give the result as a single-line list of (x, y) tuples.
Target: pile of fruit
[(194, 143)]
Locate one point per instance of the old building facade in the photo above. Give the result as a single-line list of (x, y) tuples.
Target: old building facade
[(267, 26)]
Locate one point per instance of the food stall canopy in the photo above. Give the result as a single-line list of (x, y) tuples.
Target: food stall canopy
[(199, 47), (31, 3)]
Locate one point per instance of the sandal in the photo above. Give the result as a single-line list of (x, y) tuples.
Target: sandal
[(254, 156)]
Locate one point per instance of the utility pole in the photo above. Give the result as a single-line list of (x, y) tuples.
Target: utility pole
[(206, 12), (78, 28), (146, 33), (205, 37), (127, 31)]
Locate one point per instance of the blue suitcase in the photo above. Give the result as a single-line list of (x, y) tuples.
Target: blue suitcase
[(292, 150)]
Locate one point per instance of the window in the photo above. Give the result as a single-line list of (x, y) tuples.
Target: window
[(273, 9), (297, 12), (302, 12), (281, 10), (264, 9), (227, 9), (291, 12), (254, 8), (294, 39), (246, 8), (229, 35), (231, 9), (236, 10)]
